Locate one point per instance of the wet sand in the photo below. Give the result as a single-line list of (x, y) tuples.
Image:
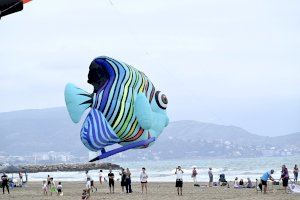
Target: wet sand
[(156, 191)]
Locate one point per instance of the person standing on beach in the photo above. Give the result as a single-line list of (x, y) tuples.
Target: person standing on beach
[(20, 179), (111, 181), (179, 180), (211, 177), (264, 179), (45, 188), (59, 189), (52, 186), (100, 176), (91, 180), (123, 179), (194, 175), (284, 177), (4, 179), (48, 182), (128, 181), (143, 178), (296, 171)]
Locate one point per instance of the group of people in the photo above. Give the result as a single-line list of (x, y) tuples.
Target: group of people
[(284, 177), (125, 182), (50, 187), (241, 184), (7, 182), (238, 183)]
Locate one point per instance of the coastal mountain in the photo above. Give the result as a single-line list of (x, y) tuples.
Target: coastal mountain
[(35, 133)]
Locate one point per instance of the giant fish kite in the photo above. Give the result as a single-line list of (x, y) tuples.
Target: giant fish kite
[(125, 108), (8, 7)]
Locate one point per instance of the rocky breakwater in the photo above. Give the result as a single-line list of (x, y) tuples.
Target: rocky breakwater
[(68, 167)]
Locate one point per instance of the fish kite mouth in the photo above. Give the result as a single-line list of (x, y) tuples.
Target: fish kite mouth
[(98, 76)]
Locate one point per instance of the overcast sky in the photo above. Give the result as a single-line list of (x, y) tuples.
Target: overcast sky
[(227, 62)]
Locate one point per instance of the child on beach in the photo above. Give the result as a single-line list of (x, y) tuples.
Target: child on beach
[(143, 178), (45, 188), (59, 189), (179, 181), (85, 195)]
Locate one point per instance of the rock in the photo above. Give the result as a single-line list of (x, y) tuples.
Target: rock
[(67, 167)]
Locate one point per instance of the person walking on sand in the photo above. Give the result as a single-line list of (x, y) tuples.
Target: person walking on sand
[(284, 177), (4, 179), (123, 179), (100, 176), (179, 180), (211, 177), (91, 180), (143, 178), (296, 171), (111, 181), (128, 181), (194, 175), (88, 186), (264, 179)]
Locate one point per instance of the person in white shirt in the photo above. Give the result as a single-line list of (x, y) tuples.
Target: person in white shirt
[(236, 183), (179, 181), (101, 176), (91, 181), (143, 178), (88, 186), (59, 189)]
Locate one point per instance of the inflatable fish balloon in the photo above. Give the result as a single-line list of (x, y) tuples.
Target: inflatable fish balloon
[(125, 108)]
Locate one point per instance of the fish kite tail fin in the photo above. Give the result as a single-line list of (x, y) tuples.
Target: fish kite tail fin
[(77, 101)]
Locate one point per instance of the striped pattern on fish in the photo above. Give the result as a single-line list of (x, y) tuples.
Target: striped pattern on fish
[(116, 98)]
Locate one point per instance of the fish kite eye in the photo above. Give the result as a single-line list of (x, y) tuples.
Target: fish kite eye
[(161, 100)]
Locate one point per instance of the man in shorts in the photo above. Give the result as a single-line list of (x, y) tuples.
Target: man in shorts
[(264, 179), (179, 181), (111, 181)]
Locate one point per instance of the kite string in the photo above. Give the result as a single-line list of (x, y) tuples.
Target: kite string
[(129, 28)]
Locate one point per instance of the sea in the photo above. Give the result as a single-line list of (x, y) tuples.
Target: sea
[(163, 171)]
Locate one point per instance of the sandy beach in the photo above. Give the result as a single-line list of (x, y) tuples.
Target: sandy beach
[(159, 191)]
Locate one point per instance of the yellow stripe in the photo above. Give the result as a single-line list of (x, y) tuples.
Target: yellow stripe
[(123, 102)]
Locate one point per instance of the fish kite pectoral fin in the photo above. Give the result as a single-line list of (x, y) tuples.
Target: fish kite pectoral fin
[(143, 112), (77, 101), (96, 132)]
